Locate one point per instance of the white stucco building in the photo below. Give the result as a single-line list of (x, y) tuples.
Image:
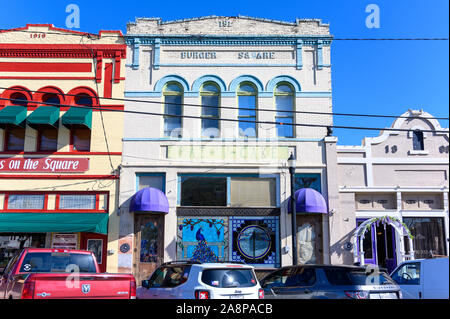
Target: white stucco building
[(401, 174)]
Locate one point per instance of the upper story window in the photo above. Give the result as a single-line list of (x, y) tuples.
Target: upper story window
[(77, 202), (19, 99), (284, 101), (210, 95), (47, 139), (81, 136), (417, 138), (51, 98), (14, 139), (26, 201), (247, 94), (173, 100)]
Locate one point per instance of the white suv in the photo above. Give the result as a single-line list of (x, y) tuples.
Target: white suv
[(194, 280)]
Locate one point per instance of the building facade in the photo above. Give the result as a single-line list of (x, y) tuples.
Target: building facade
[(218, 104), (399, 181), (60, 146)]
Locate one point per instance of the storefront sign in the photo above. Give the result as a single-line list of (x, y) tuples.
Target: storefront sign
[(47, 165), (65, 241)]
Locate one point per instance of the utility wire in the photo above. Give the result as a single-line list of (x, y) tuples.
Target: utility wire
[(236, 108), (87, 34), (230, 120)]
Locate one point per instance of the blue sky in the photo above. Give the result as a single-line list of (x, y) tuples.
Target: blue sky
[(377, 77)]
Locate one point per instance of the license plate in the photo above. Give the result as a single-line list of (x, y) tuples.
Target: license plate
[(387, 295), (237, 297)]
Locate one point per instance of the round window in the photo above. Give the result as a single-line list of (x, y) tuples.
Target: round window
[(254, 242)]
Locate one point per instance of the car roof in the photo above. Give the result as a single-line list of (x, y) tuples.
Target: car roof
[(55, 250)]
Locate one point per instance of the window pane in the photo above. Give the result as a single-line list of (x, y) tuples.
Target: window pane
[(26, 201), (210, 128), (15, 139), (48, 140), (418, 141), (247, 192), (284, 103), (83, 99), (19, 96), (408, 274), (284, 130), (77, 202), (247, 88), (172, 125), (247, 129), (429, 235), (209, 102), (203, 191), (151, 181), (283, 89), (57, 262), (210, 88), (173, 87), (51, 98), (173, 104), (82, 139), (225, 278)]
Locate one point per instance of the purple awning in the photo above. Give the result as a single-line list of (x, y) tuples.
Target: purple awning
[(308, 200), (149, 199)]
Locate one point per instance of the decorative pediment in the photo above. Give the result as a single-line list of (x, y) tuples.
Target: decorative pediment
[(220, 25)]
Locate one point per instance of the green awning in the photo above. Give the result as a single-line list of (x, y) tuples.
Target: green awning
[(54, 222), (13, 115), (44, 115), (77, 117)]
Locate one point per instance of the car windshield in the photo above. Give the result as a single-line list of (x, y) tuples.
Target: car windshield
[(229, 278), (351, 277), (58, 262)]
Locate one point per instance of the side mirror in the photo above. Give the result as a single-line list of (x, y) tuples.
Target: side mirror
[(145, 284)]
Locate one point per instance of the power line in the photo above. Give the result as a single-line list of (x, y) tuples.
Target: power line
[(230, 120), (89, 35), (237, 108)]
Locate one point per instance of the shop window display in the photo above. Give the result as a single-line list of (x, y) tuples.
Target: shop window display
[(11, 244)]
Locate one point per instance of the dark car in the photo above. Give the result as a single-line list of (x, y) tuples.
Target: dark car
[(329, 282)]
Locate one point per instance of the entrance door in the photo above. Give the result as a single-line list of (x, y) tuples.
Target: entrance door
[(379, 246), (149, 244), (309, 239), (97, 243)]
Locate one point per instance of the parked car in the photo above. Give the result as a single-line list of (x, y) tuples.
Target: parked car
[(329, 282), (195, 280), (42, 273), (423, 278)]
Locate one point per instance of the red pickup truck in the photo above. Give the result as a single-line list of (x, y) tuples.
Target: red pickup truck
[(43, 273)]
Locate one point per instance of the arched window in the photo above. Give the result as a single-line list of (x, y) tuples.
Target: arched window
[(210, 95), (417, 137), (51, 98), (247, 94), (19, 99), (173, 100), (284, 101)]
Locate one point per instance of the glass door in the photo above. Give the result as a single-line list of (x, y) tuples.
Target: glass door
[(369, 244)]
